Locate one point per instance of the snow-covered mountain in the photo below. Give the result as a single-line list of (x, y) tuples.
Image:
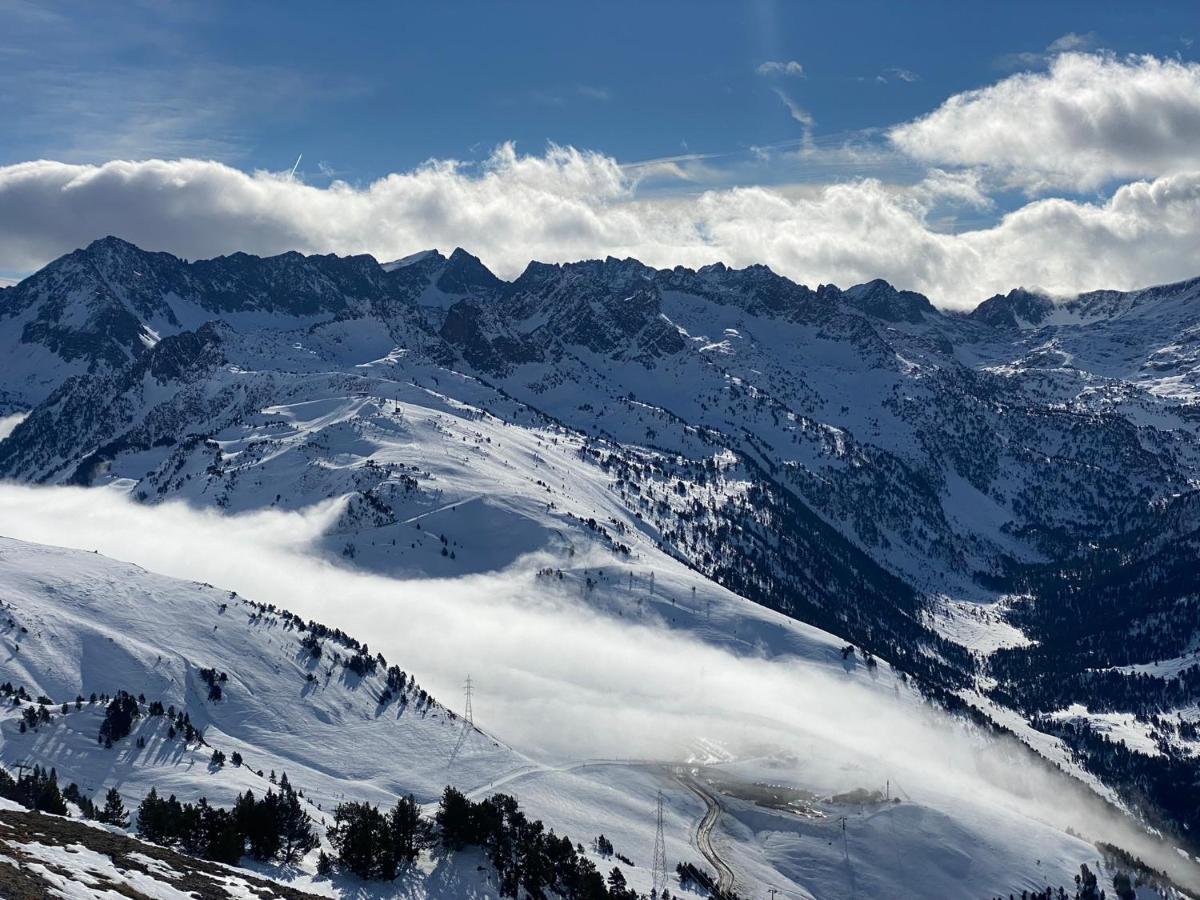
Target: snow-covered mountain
[(78, 624), (999, 504)]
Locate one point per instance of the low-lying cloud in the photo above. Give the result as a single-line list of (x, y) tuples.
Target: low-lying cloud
[(561, 678), (568, 204)]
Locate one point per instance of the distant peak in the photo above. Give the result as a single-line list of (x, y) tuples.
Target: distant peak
[(465, 273), (540, 268), (111, 243), (536, 273), (1012, 310), (867, 288), (884, 301), (411, 260)]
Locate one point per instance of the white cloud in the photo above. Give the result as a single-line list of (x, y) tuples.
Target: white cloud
[(906, 75), (1090, 119), (568, 204), (963, 188), (773, 67), (797, 112), (1071, 41)]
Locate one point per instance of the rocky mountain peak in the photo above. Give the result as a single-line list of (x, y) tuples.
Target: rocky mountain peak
[(882, 300), (1018, 308), (466, 274)]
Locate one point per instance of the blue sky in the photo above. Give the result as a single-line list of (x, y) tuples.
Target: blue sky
[(945, 146), (367, 89)]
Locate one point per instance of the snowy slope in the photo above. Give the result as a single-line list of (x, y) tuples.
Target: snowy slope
[(93, 624), (85, 624)]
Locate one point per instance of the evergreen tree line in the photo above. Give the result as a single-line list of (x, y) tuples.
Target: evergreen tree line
[(692, 876), (38, 789), (1166, 786), (372, 843), (789, 560), (1087, 887), (124, 709), (399, 685), (367, 842), (113, 812), (273, 827), (1129, 873), (527, 858)]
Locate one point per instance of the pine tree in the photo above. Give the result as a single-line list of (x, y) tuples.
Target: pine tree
[(47, 797), (118, 718), (258, 820), (296, 835), (114, 809), (360, 838), (616, 880), (151, 823), (454, 819), (409, 832), (223, 840)]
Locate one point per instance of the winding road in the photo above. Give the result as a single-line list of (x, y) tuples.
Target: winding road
[(704, 830)]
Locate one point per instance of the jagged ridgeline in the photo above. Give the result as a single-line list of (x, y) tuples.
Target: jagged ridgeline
[(1002, 498)]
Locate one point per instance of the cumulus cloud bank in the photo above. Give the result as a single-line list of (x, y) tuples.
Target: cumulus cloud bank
[(1090, 121), (568, 204), (1091, 118)]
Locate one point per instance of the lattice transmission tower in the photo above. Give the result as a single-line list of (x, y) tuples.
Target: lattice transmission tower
[(659, 871), (468, 714), (468, 724)]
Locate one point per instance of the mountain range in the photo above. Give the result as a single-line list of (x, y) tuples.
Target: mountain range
[(1001, 505)]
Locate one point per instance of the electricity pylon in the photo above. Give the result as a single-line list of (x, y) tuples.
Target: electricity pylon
[(468, 725), (659, 871), (467, 713)]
